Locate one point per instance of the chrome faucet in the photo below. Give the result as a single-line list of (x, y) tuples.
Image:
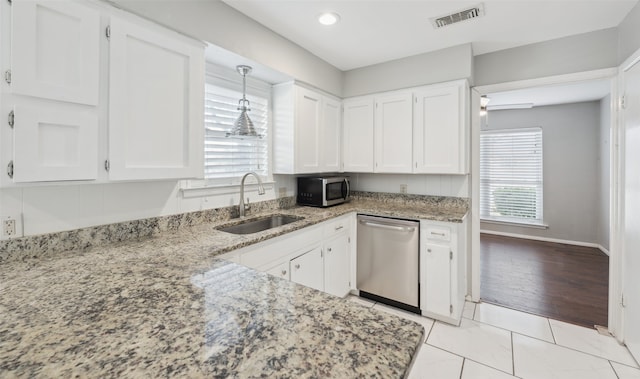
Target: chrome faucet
[(241, 206)]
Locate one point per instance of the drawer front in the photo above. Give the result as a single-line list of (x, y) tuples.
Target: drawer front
[(336, 226), (438, 233)]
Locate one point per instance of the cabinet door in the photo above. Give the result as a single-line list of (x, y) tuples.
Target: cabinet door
[(336, 265), (358, 135), (307, 269), (438, 130), (156, 105), (55, 50), (54, 144), (331, 136), (393, 133), (435, 294), (307, 130), (281, 271)]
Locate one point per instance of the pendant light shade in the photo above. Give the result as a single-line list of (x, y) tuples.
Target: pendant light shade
[(243, 126)]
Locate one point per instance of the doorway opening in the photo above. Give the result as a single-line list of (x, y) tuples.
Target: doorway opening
[(544, 201)]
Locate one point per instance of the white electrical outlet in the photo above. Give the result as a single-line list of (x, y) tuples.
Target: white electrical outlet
[(9, 227), (403, 188)]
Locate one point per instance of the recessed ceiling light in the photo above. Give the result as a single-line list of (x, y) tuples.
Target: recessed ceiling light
[(328, 18)]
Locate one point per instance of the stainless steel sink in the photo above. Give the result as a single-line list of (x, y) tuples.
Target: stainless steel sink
[(259, 225)]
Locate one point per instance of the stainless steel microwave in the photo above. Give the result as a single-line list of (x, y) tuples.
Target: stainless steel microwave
[(323, 191)]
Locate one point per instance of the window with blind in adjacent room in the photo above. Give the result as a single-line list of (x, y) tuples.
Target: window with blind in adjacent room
[(511, 175), (227, 159)]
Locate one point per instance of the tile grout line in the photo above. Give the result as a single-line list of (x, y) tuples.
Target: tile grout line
[(433, 325), (513, 356), (462, 367), (614, 370), (513, 331), (577, 351), (468, 359), (553, 335)]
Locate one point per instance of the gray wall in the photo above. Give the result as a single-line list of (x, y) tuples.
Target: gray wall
[(604, 160), (571, 178), (221, 25), (439, 66), (582, 52), (629, 34)]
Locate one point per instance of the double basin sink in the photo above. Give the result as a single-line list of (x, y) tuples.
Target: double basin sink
[(259, 225)]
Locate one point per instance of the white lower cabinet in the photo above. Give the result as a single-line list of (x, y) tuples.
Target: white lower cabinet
[(443, 270), (337, 265), (317, 256), (307, 269), (281, 271)]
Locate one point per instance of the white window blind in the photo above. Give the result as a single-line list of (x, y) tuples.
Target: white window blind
[(511, 175), (228, 158)]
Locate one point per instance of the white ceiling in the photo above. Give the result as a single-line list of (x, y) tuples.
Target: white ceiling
[(556, 94), (375, 31)]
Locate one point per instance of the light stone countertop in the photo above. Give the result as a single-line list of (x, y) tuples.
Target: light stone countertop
[(165, 306)]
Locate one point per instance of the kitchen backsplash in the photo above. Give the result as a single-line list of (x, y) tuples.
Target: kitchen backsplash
[(45, 245)]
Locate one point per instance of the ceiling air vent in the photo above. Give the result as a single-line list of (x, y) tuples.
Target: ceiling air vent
[(463, 15)]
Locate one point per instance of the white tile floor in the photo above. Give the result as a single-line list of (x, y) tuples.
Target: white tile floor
[(495, 342)]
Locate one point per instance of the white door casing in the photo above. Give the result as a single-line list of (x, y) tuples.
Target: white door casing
[(631, 232)]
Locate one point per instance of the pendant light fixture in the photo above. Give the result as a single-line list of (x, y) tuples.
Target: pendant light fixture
[(243, 127)]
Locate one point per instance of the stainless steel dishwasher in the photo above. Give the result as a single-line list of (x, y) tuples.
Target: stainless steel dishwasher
[(387, 265)]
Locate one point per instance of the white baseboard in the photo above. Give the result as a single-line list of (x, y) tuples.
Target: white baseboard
[(545, 239)]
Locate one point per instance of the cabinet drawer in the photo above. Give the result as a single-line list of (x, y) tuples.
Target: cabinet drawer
[(336, 226), (439, 233)]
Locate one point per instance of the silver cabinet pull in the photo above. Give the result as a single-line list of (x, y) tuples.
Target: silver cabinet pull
[(298, 266), (437, 234), (284, 272), (339, 227)]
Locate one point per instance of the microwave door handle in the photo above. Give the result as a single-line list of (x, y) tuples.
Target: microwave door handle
[(346, 193)]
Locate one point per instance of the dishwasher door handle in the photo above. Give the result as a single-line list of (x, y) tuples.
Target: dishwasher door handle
[(388, 227)]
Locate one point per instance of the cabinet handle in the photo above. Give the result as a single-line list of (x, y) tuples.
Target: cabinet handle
[(428, 250), (329, 249), (284, 272), (339, 227), (298, 266), (437, 234)]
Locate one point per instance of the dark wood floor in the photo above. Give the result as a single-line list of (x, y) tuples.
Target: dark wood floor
[(563, 282)]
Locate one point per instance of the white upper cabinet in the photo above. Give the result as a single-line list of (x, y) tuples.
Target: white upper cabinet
[(156, 89), (54, 143), (308, 110), (307, 131), (55, 51), (440, 129), (393, 132), (331, 135), (358, 134), (419, 130)]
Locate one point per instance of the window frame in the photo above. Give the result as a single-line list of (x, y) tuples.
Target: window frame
[(522, 221), (230, 79)]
